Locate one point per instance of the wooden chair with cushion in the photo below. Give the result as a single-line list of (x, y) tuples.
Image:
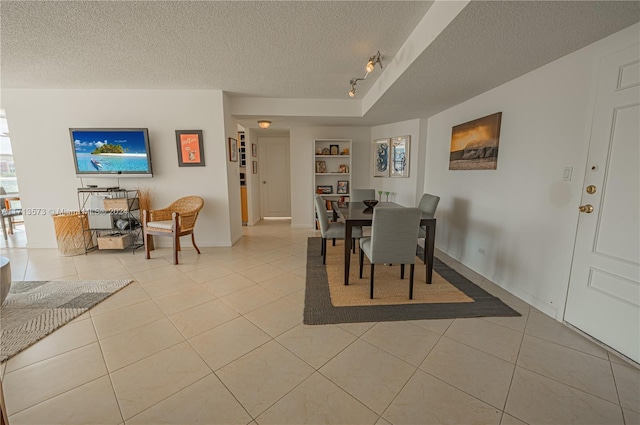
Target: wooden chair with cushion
[(178, 219), (394, 232)]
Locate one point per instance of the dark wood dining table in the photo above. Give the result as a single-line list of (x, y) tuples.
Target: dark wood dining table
[(358, 214)]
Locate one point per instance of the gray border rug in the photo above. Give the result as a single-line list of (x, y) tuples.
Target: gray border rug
[(318, 309), (33, 310)]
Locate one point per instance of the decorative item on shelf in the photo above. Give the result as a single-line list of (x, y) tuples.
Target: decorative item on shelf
[(387, 193), (319, 151), (344, 168), (233, 150), (343, 187), (324, 190), (345, 151), (321, 167), (264, 124), (255, 167), (400, 156), (380, 195), (325, 151), (190, 148), (371, 64), (334, 150), (381, 158), (370, 202)]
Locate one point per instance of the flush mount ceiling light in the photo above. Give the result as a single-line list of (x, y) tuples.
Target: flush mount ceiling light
[(264, 124), (371, 65)]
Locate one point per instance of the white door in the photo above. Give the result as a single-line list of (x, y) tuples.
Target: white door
[(604, 289), (275, 187)]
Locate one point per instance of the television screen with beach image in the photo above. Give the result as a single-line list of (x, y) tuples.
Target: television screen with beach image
[(111, 151)]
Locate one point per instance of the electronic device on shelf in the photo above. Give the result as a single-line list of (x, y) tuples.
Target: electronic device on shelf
[(109, 152)]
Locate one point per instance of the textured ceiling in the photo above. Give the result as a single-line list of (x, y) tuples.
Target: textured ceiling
[(285, 49), (298, 49)]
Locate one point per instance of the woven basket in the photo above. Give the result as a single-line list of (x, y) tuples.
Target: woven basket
[(70, 233)]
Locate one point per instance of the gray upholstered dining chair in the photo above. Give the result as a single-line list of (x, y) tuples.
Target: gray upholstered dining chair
[(331, 230), (359, 195), (428, 205), (394, 232)]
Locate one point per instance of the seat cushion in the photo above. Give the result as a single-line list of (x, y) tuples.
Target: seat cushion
[(161, 225)]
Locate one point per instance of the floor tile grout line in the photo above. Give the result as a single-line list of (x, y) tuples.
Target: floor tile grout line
[(615, 385), (513, 373)]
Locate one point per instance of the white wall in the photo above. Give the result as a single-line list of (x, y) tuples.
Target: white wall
[(233, 174), (404, 191), (522, 214), (40, 122), (303, 165)]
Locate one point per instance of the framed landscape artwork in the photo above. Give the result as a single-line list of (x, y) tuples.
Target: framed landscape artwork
[(399, 166), (381, 158), (474, 144)]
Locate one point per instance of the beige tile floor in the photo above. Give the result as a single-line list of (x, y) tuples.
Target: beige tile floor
[(219, 339)]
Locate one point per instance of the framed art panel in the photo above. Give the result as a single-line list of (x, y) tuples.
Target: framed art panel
[(343, 187), (254, 150), (474, 144), (400, 152), (190, 148), (233, 150), (255, 167), (324, 190), (381, 158)]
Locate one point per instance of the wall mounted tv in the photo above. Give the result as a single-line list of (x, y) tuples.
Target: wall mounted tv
[(111, 152)]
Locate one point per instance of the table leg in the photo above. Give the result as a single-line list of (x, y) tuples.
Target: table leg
[(429, 247), (348, 231)]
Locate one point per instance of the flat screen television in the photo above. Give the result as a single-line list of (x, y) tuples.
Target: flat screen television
[(111, 152)]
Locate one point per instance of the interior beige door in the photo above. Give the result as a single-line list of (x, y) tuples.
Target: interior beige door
[(604, 289), (275, 187)]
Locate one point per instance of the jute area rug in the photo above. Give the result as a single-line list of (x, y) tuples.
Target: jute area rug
[(450, 295), (33, 310)]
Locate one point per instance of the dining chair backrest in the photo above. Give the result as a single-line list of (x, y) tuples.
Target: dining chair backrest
[(321, 212), (394, 232), (428, 204), (359, 195)]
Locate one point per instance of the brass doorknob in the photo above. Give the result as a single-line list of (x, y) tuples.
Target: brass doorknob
[(586, 208)]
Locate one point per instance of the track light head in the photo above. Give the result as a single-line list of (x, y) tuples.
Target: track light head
[(353, 91), (373, 60)]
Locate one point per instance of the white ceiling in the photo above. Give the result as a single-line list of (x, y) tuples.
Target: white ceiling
[(293, 49)]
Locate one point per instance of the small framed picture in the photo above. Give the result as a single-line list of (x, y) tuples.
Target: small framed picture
[(255, 167), (190, 148), (324, 190), (254, 150), (233, 150), (344, 168), (334, 150), (343, 187), (321, 167)]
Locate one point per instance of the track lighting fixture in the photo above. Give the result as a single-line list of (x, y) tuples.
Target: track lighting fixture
[(264, 124), (373, 60)]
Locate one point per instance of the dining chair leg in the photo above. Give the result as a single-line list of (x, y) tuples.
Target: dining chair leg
[(322, 246), (372, 268), (401, 271), (324, 252), (4, 228), (361, 261), (424, 255), (353, 244), (193, 241), (411, 270), (147, 251), (175, 248), (334, 241)]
